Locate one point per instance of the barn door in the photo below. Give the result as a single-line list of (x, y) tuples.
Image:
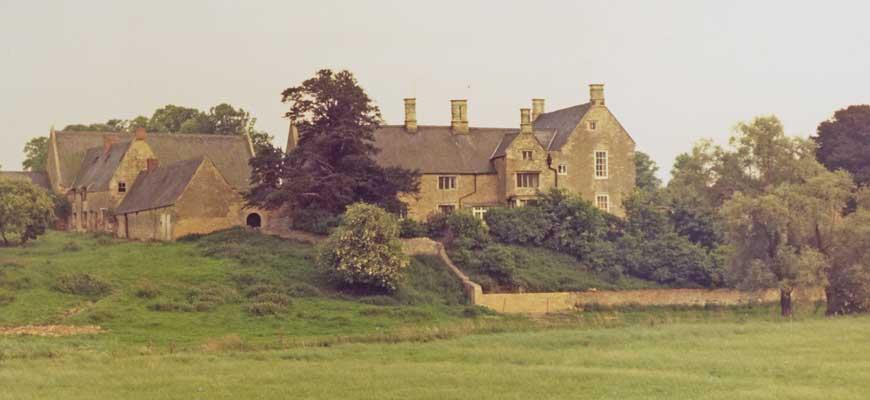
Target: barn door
[(166, 226)]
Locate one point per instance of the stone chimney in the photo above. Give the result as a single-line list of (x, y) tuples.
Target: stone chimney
[(459, 116), (537, 108), (141, 134), (108, 141), (152, 164), (411, 115), (596, 94), (292, 138), (525, 121)]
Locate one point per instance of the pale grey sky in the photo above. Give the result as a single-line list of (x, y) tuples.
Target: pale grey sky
[(675, 71)]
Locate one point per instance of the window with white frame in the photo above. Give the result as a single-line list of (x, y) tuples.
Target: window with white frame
[(446, 183), (527, 179), (601, 164), (478, 212), (602, 201), (527, 155), (563, 169)]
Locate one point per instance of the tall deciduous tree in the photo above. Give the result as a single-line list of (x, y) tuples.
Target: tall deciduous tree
[(844, 142), (25, 210), (35, 154), (333, 164), (645, 172)]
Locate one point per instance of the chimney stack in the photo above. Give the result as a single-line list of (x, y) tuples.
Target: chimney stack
[(525, 121), (459, 116), (596, 94), (411, 115), (108, 141), (152, 164), (292, 138), (537, 108), (141, 134)]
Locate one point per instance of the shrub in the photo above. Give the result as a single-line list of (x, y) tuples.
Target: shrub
[(670, 259), (315, 221), (466, 231), (82, 284), (277, 298), (146, 290), (522, 225), (408, 228), (71, 246), (848, 288), (499, 263), (364, 251), (436, 225), (265, 308)]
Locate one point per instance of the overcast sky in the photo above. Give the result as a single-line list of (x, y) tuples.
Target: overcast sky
[(674, 71)]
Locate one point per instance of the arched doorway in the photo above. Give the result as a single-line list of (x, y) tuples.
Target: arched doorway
[(254, 220)]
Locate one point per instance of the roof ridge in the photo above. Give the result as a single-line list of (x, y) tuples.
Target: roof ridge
[(165, 134)]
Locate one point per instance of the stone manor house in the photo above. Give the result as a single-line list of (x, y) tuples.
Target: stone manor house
[(154, 186)]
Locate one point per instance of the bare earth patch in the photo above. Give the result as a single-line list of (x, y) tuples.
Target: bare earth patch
[(50, 330)]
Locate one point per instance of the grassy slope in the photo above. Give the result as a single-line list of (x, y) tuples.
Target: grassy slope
[(431, 296), (812, 358), (544, 270)]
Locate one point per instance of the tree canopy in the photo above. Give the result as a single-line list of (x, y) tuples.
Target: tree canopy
[(25, 210), (35, 154), (333, 165), (645, 172), (844, 142)]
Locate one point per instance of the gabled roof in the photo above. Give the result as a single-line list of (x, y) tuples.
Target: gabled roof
[(562, 123), (37, 178), (229, 153), (159, 188), (436, 149), (98, 167), (509, 138)]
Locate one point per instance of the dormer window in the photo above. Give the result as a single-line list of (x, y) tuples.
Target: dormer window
[(593, 125), (122, 187), (527, 155)]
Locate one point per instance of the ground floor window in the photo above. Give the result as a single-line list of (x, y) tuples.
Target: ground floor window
[(446, 208), (254, 220), (602, 201), (478, 212)]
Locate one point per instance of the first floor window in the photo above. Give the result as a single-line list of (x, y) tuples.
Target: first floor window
[(527, 154), (478, 212), (446, 208), (563, 169), (602, 201), (446, 183), (600, 164), (527, 179)]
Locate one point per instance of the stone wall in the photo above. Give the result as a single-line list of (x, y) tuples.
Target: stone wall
[(542, 303)]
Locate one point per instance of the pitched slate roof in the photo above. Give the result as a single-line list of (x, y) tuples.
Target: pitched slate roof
[(508, 138), (98, 167), (37, 178), (159, 188), (562, 123), (436, 149), (229, 153)]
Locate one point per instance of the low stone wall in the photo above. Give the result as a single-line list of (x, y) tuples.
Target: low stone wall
[(426, 246), (541, 303)]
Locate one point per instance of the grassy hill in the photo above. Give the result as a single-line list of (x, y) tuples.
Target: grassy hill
[(232, 283)]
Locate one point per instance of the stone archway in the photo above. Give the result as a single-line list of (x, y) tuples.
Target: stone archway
[(254, 220)]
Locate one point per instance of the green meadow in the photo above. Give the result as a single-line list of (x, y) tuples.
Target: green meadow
[(236, 315)]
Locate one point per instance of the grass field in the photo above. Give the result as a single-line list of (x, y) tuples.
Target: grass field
[(179, 324)]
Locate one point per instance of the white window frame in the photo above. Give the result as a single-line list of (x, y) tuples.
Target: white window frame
[(479, 212), (530, 173), (606, 164), (453, 181), (530, 153), (563, 169), (599, 197)]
